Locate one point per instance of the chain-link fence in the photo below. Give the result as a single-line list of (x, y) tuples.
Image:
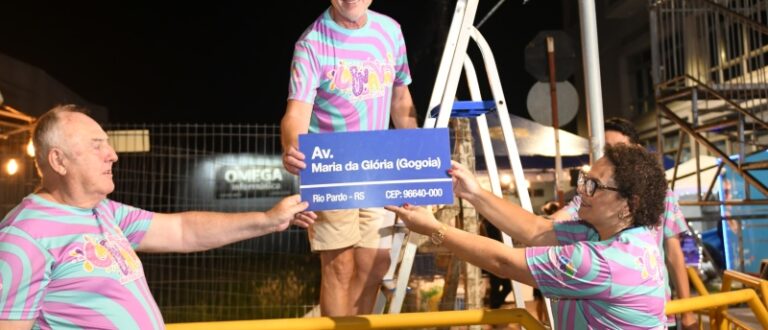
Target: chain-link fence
[(236, 167)]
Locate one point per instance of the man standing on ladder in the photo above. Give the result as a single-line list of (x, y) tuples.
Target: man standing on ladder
[(349, 73)]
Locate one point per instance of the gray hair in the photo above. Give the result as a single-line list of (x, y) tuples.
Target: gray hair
[(47, 133)]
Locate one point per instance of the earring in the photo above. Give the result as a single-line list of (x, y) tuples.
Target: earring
[(624, 215)]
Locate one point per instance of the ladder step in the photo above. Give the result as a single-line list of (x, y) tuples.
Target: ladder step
[(467, 108)]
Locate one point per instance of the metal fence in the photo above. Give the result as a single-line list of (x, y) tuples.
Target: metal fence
[(235, 167)]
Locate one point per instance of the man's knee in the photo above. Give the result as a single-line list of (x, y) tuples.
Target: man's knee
[(337, 266), (381, 264)]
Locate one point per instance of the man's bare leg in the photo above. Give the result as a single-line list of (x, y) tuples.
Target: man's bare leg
[(337, 272), (371, 266)]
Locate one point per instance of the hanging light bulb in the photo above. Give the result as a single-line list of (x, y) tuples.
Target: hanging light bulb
[(30, 148), (12, 166), (506, 179)]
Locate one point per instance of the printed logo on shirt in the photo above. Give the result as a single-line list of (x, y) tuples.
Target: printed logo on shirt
[(649, 264), (566, 266), (111, 253), (362, 80)]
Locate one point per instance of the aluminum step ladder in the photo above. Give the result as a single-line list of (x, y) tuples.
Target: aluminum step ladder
[(444, 106)]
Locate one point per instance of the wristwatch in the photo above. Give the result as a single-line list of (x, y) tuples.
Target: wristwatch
[(438, 236)]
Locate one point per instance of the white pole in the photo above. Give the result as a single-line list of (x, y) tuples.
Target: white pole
[(590, 52)]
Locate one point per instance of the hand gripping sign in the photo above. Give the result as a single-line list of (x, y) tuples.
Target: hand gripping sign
[(376, 168)]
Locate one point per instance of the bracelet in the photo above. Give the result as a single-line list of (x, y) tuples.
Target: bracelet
[(438, 236)]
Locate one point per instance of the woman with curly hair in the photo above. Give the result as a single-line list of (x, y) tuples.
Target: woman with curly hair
[(619, 130), (604, 271)]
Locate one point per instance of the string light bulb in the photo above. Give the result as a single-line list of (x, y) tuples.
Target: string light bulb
[(30, 148), (506, 180), (12, 166)]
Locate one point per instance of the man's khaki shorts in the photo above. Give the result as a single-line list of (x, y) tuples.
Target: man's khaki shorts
[(365, 228)]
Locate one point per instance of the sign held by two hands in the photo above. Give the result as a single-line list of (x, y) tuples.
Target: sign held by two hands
[(376, 168)]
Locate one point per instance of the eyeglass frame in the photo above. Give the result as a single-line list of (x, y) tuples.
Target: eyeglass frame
[(581, 185)]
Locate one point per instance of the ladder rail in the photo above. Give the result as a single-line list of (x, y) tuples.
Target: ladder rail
[(490, 159), (442, 72), (482, 125), (399, 236), (511, 144), (449, 73), (506, 125), (404, 274)]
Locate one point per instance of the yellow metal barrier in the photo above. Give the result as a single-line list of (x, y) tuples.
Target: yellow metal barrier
[(499, 316), (693, 276), (695, 279), (749, 281), (721, 299), (722, 317), (388, 321), (719, 317)]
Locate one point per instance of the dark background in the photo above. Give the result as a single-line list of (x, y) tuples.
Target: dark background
[(228, 61)]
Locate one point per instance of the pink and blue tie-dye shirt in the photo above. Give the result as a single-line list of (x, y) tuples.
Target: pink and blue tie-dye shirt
[(74, 268), (348, 74), (616, 283), (672, 220)]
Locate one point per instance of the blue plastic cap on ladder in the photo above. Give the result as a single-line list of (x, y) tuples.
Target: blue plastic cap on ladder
[(467, 108)]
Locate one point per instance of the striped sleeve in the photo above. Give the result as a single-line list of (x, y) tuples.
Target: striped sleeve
[(305, 74), (25, 270), (133, 221), (572, 231), (403, 71), (570, 271), (673, 218)]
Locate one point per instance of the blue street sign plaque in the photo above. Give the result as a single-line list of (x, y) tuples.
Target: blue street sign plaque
[(376, 168)]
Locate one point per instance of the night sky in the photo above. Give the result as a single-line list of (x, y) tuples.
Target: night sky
[(228, 61)]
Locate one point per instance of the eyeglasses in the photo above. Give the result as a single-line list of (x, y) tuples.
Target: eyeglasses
[(589, 185)]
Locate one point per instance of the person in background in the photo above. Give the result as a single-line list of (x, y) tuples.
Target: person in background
[(550, 208), (499, 287), (349, 73), (603, 271), (618, 131), (68, 253)]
